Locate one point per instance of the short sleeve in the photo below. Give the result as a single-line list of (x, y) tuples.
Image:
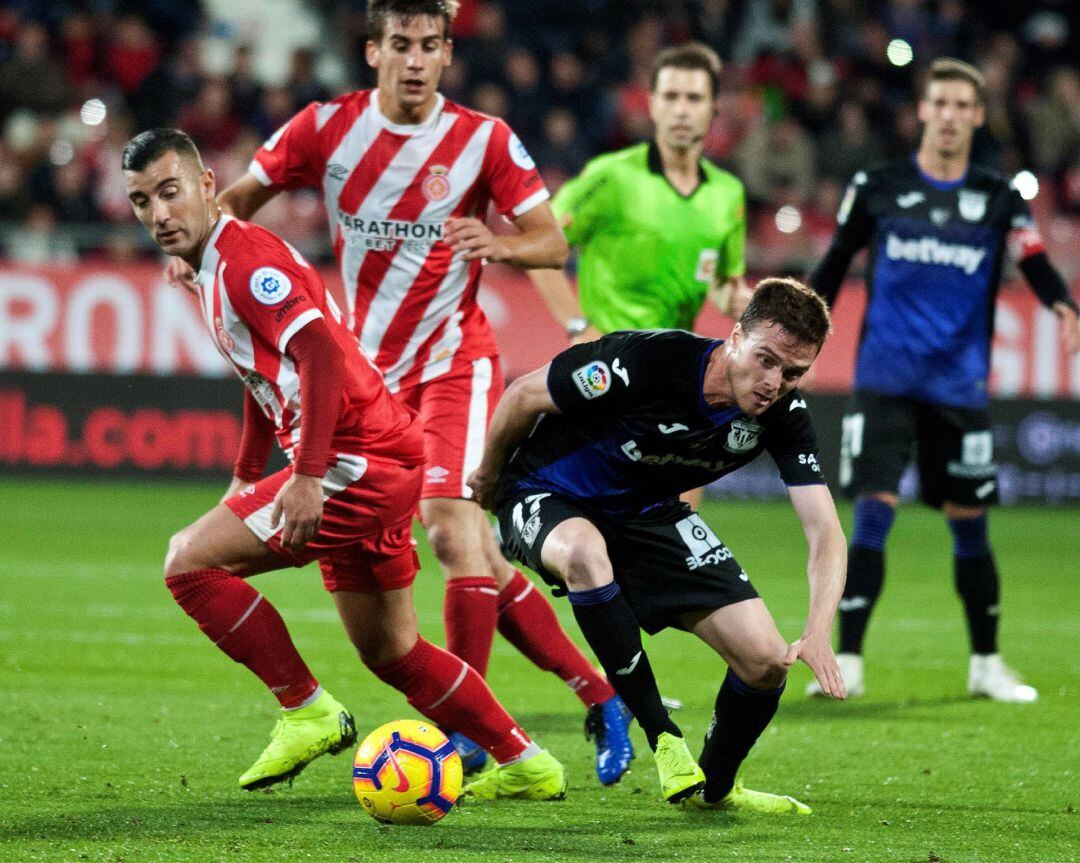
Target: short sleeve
[(732, 257), (512, 178), (274, 296), (792, 443), (596, 378), (291, 157), (585, 200)]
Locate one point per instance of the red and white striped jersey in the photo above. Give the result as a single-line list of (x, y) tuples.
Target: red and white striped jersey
[(256, 292), (388, 191)]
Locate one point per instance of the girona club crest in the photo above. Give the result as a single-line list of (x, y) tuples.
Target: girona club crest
[(435, 186)]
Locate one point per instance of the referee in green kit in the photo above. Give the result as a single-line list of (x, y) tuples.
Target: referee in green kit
[(658, 227)]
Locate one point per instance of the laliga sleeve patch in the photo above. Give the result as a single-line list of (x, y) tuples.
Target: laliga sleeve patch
[(270, 286), (592, 380), (520, 155)]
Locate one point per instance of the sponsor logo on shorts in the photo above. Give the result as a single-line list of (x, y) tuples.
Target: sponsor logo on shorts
[(592, 380), (437, 474), (743, 436), (269, 285), (671, 429), (527, 524), (705, 546)]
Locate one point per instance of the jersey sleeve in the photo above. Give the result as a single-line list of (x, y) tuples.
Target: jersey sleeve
[(512, 178), (274, 295), (855, 226), (291, 158), (731, 261), (792, 443), (597, 378), (582, 203), (1023, 239)]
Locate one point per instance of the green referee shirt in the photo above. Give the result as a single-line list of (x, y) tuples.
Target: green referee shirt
[(647, 253)]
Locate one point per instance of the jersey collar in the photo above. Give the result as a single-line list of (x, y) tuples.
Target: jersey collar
[(429, 122), (940, 185), (718, 416), (656, 166), (210, 253)]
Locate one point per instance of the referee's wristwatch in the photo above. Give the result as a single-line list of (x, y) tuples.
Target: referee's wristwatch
[(576, 326)]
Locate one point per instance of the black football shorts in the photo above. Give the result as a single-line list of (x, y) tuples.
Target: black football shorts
[(953, 449), (667, 563)]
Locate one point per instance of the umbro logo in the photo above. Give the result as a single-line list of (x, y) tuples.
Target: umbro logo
[(910, 199), (671, 429)]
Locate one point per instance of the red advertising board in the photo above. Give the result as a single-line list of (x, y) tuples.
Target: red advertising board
[(126, 319)]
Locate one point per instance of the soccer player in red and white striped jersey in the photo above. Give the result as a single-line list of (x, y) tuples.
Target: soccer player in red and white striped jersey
[(347, 499), (407, 178)]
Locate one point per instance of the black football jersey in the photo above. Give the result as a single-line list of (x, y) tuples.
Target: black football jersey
[(634, 430)]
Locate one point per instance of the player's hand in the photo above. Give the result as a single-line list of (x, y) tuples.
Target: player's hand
[(817, 653), (1070, 327), (483, 485), (589, 334), (300, 500), (179, 274), (471, 239)]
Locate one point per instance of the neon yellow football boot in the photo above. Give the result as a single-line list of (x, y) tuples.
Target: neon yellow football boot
[(540, 777), (680, 775), (299, 737), (742, 799)]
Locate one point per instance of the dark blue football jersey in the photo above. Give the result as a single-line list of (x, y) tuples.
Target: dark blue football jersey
[(634, 430), (935, 262)]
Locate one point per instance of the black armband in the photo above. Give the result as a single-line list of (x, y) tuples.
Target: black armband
[(1046, 282)]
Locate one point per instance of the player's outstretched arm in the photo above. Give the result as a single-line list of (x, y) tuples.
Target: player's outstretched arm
[(539, 242), (826, 570), (554, 288), (518, 410)]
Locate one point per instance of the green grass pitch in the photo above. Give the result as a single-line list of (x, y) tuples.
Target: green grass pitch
[(123, 730)]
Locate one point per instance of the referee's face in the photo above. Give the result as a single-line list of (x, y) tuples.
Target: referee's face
[(764, 365), (681, 107)]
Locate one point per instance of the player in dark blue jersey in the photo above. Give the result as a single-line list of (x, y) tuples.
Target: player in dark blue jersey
[(938, 229), (584, 464)]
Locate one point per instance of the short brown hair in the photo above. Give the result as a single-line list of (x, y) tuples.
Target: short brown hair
[(791, 305), (151, 145), (951, 69), (379, 12), (692, 55)]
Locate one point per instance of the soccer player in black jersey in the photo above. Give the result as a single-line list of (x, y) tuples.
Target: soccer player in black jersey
[(938, 229), (584, 463)]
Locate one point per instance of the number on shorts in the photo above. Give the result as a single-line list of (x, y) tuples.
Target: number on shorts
[(851, 441)]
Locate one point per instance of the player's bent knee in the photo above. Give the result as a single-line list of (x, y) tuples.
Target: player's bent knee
[(386, 648), (180, 557), (586, 568), (764, 669)]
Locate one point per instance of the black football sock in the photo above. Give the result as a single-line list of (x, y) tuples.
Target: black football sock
[(978, 586), (740, 716), (609, 625), (865, 576)]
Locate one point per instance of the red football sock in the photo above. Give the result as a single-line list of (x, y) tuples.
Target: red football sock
[(527, 621), (469, 612), (449, 692), (247, 628)]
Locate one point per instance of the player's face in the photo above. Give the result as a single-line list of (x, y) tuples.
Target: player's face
[(950, 113), (173, 197), (681, 106), (410, 59), (765, 364)]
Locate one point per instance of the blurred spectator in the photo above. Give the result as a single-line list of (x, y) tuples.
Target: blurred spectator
[(766, 26), (1054, 118), (39, 242), (561, 148), (209, 119), (776, 163), (132, 53), (485, 49), (850, 146), (31, 79), (528, 98), (303, 84)]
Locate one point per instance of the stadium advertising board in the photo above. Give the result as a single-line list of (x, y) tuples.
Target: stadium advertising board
[(126, 319)]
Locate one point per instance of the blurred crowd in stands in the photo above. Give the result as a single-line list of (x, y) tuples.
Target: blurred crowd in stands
[(813, 90)]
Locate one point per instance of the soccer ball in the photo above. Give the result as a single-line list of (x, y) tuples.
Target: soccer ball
[(407, 772)]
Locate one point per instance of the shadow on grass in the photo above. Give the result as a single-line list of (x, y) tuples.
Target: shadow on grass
[(829, 709)]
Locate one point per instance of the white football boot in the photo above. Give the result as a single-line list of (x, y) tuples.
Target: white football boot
[(851, 669), (989, 677)]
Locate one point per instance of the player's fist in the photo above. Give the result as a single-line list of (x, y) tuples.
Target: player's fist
[(483, 486), (300, 501), (179, 274)]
